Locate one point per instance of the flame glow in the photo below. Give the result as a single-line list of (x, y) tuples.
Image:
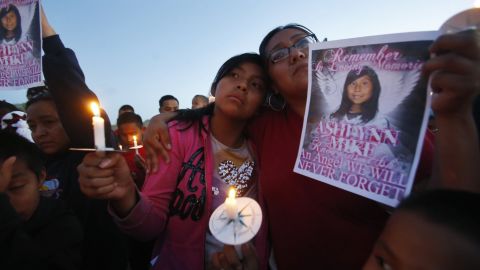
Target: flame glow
[(231, 193), (95, 109)]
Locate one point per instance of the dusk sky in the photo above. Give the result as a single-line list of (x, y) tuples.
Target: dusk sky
[(133, 52)]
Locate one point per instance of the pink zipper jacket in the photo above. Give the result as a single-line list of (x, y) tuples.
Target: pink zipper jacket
[(176, 203)]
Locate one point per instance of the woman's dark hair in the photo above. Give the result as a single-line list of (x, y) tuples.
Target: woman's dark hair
[(369, 107), (18, 29), (452, 209), (263, 45), (36, 94), (195, 116), (12, 144)]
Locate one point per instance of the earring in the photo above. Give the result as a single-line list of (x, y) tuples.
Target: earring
[(276, 102)]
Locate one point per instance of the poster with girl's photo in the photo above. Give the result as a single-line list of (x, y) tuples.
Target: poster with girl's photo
[(20, 44), (366, 114)]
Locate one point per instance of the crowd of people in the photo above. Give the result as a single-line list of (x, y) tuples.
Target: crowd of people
[(149, 207)]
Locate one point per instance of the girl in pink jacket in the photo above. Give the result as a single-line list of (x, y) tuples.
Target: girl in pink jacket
[(210, 154)]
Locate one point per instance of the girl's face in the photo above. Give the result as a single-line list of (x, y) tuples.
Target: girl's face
[(241, 92), (289, 76), (9, 21), (47, 130), (360, 90)]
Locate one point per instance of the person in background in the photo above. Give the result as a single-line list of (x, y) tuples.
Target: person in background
[(199, 101), (168, 103), (125, 108), (129, 125), (14, 120)]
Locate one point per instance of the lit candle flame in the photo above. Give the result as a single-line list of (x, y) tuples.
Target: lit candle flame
[(135, 145), (95, 108), (476, 4), (232, 193)]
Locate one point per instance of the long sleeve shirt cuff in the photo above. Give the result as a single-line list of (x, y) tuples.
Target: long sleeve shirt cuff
[(52, 44)]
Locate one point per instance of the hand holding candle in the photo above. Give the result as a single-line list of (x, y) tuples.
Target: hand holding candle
[(98, 127)]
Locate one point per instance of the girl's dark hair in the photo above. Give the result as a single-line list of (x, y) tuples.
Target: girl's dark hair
[(453, 209), (263, 45), (12, 144), (195, 116), (234, 62), (369, 107), (18, 30)]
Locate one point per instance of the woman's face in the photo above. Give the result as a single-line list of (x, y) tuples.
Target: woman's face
[(241, 92), (9, 21), (289, 76), (360, 90), (47, 130)]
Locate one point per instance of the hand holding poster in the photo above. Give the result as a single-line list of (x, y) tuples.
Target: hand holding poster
[(20, 44), (367, 111)]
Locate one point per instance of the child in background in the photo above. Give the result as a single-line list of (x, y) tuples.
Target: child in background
[(176, 202), (130, 124), (435, 230), (199, 101), (125, 108), (35, 232)]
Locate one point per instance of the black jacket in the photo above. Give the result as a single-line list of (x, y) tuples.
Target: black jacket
[(50, 239)]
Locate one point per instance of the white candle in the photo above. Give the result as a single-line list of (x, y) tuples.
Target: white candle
[(231, 204), (98, 127), (135, 145), (242, 228)]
